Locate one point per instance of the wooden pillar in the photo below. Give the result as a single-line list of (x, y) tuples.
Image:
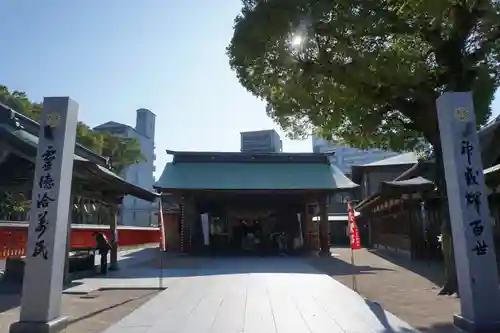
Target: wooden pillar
[(367, 218), (189, 218), (183, 226), (304, 227), (323, 227), (196, 232), (67, 278), (113, 225)]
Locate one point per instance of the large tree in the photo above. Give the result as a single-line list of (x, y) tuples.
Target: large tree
[(121, 151), (368, 72)]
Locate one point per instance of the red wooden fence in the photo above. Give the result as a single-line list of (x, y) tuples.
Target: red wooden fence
[(13, 237)]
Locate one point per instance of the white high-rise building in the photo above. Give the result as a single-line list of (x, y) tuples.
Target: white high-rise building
[(137, 212), (345, 157)]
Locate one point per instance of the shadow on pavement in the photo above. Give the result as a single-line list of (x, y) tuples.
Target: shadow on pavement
[(10, 291), (9, 301), (185, 266), (10, 294), (132, 257), (381, 315), (97, 312), (430, 270), (335, 267), (126, 260), (440, 328)]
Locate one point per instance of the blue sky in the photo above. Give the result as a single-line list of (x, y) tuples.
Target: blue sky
[(116, 56)]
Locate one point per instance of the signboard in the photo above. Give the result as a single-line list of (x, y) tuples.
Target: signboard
[(471, 222), (47, 235)]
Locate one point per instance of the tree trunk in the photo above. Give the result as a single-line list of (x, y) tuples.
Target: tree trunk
[(450, 286)]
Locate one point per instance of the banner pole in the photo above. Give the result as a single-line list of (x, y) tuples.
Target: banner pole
[(354, 242), (163, 242), (160, 275), (354, 282)]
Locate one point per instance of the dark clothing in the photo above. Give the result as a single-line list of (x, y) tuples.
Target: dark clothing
[(103, 247), (104, 263), (102, 242)]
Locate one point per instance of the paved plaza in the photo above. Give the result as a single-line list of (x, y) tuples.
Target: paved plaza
[(261, 295)]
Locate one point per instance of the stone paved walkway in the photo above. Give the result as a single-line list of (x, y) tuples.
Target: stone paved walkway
[(406, 288), (264, 295)]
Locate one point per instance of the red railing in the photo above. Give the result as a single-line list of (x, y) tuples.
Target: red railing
[(13, 237)]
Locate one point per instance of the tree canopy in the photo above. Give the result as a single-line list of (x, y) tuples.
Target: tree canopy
[(366, 73), (121, 151)]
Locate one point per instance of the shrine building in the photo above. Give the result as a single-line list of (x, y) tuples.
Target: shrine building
[(221, 201)]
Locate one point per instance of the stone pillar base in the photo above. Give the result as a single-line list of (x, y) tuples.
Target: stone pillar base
[(473, 327), (53, 326)]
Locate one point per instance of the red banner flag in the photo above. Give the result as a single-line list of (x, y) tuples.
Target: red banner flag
[(353, 228), (161, 222)]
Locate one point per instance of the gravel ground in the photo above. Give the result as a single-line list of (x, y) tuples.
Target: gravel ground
[(406, 289), (92, 313)]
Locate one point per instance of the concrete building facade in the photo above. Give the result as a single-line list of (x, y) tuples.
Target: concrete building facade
[(346, 157), (265, 141), (136, 212)]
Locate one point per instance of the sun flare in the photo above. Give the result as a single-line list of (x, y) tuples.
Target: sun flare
[(297, 40)]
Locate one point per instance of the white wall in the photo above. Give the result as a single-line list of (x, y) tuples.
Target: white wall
[(136, 212)]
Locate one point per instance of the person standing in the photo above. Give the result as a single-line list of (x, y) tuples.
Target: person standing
[(103, 246)]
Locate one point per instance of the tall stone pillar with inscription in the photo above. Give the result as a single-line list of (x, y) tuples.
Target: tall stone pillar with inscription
[(470, 216), (44, 270)]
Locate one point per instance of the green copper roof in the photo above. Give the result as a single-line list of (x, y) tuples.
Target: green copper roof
[(253, 176), (27, 143)]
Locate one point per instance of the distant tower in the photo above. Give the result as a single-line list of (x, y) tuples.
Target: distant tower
[(145, 123)]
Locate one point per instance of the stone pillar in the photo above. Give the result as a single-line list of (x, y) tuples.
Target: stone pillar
[(47, 233), (323, 227), (113, 225), (469, 212)]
